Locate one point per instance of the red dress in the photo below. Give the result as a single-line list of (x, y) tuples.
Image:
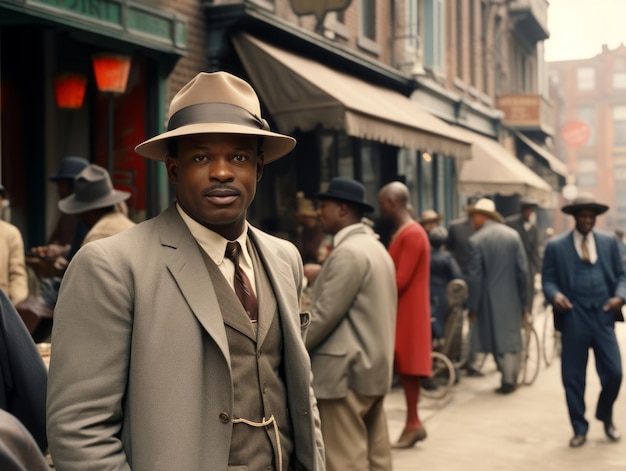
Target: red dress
[(410, 251)]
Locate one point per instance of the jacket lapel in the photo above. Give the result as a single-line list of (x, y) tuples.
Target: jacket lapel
[(184, 261)]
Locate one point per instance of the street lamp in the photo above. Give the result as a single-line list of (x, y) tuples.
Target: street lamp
[(69, 90), (111, 71)]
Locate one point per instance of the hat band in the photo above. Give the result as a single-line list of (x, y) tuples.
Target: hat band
[(215, 113)]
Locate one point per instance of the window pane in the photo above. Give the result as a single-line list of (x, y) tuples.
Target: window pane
[(619, 80), (586, 77), (619, 125), (368, 18), (588, 115)]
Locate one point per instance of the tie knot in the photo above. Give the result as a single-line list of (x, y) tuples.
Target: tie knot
[(232, 252)]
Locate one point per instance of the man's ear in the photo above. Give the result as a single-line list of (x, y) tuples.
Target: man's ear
[(171, 164)]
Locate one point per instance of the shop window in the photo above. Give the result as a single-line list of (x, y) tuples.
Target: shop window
[(369, 170), (587, 173), (425, 183), (586, 78)]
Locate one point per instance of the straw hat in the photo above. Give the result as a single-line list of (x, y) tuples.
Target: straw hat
[(487, 207), (584, 201), (305, 206), (430, 215), (217, 102), (92, 190)]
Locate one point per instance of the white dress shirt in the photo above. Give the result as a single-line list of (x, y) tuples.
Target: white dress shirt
[(591, 245)]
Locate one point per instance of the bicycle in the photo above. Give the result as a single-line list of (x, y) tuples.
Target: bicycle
[(449, 351), (551, 338), (531, 352)]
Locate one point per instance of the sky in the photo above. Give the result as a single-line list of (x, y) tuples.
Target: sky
[(579, 28)]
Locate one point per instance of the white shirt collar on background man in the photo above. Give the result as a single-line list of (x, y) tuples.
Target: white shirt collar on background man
[(591, 245), (215, 247), (342, 234)]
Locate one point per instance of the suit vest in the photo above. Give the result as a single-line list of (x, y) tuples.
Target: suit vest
[(256, 356)]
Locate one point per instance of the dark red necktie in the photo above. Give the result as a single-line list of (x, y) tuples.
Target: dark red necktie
[(242, 284)]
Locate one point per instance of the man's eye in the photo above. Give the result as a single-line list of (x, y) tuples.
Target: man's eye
[(199, 158), (240, 157)]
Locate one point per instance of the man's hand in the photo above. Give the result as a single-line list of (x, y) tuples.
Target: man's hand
[(51, 252), (561, 303), (614, 305)]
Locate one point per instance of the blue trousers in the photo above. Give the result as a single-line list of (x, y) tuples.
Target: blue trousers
[(584, 330)]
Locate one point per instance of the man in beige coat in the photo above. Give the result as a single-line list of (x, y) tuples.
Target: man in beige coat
[(155, 363), (13, 276), (352, 333)]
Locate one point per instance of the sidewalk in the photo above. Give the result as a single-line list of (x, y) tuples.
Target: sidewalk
[(475, 429)]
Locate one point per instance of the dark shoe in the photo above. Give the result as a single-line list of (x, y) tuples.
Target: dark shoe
[(410, 438), (578, 440), (505, 389), (474, 373), (611, 432)]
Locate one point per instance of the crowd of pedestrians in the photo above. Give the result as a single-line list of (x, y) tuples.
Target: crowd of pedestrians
[(186, 342)]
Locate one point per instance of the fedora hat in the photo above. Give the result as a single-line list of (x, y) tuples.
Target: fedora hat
[(487, 207), (68, 168), (92, 190), (584, 201), (528, 202), (347, 190), (305, 206), (430, 215), (217, 102)]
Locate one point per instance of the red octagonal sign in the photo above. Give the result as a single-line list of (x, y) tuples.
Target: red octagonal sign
[(575, 133)]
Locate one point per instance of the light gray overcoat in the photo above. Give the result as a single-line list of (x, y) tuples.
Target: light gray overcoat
[(140, 375), (497, 280)]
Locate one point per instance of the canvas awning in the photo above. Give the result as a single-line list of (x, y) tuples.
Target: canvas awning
[(302, 94), (494, 170), (552, 162)]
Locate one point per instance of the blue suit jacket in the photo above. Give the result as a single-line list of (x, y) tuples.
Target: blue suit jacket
[(557, 275)]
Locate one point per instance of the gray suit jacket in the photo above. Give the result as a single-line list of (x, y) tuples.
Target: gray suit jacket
[(140, 374), (352, 331)]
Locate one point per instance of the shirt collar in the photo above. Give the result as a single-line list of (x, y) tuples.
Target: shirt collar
[(343, 233), (212, 242)]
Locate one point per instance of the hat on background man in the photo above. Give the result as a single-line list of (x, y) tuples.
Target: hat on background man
[(68, 168), (584, 201), (487, 207), (217, 102), (430, 215), (93, 189), (528, 202), (306, 208), (346, 190)]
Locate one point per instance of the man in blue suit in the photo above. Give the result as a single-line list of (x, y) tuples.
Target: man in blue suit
[(584, 279)]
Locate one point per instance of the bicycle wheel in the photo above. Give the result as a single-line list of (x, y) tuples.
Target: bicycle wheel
[(531, 357), (550, 338), (442, 379)]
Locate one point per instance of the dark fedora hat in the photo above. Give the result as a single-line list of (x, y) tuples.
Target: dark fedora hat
[(347, 190), (584, 201), (69, 167), (93, 189)]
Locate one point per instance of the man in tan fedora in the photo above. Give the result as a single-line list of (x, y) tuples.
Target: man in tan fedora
[(497, 280), (178, 343), (430, 219)]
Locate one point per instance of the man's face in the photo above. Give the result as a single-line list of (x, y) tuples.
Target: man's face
[(527, 212), (215, 177), (65, 188), (585, 220), (329, 214)]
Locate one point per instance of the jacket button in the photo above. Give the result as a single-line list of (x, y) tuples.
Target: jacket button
[(224, 417)]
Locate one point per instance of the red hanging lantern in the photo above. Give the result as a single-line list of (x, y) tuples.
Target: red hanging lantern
[(111, 71), (69, 90)]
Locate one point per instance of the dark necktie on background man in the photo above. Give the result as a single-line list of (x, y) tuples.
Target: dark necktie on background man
[(242, 284), (584, 250)]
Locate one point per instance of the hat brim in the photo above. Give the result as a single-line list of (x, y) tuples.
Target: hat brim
[(368, 208), (495, 215), (71, 205), (595, 207), (426, 221), (275, 145)]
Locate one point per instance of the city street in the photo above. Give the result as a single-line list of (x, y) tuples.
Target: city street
[(476, 429)]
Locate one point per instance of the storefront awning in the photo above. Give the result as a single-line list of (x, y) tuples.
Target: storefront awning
[(302, 94), (494, 170), (554, 163)]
